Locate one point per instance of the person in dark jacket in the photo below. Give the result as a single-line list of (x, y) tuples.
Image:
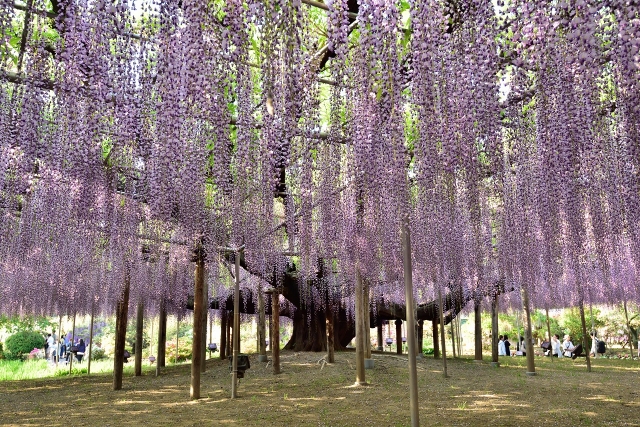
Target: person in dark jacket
[(81, 349)]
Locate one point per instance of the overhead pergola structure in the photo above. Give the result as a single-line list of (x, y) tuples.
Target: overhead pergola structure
[(140, 137)]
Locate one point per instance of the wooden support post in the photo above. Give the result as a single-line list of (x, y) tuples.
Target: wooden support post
[(205, 310), (121, 333), (139, 334), (398, 336), (262, 334), (477, 329), (73, 340), (223, 334), (531, 363), (93, 309), (420, 337), (453, 338), (494, 331), (229, 342), (196, 344), (379, 337), (549, 333), (162, 338), (236, 328), (626, 316), (367, 326), (360, 333), (585, 336), (177, 337), (442, 336), (275, 331), (411, 332), (436, 338), (59, 338)]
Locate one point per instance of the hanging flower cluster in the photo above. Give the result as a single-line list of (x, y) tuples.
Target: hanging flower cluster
[(507, 135)]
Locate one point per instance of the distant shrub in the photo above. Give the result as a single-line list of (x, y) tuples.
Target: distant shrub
[(184, 351), (98, 354), (428, 350), (20, 344), (1, 352)]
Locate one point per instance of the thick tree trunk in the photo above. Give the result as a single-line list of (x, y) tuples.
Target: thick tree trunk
[(121, 333), (477, 330), (139, 330), (310, 332)]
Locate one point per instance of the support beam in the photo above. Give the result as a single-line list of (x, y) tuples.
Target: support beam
[(93, 312), (442, 335), (420, 337), (275, 331), (203, 348), (494, 331), (436, 338), (398, 336), (162, 338), (198, 308), (262, 338), (236, 326), (360, 332), (139, 331), (121, 333), (379, 337), (411, 332), (531, 364), (477, 329), (223, 334), (328, 314)]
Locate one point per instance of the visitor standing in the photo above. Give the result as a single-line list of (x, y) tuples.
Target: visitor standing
[(501, 349), (81, 349), (507, 344), (49, 347)]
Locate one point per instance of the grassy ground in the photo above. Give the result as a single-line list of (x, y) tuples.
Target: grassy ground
[(311, 393)]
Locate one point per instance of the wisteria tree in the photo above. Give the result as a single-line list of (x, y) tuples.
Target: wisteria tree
[(139, 137)]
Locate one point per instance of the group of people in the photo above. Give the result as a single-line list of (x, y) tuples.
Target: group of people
[(63, 349), (559, 348)]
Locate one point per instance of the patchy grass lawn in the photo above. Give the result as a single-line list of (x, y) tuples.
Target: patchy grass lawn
[(312, 393)]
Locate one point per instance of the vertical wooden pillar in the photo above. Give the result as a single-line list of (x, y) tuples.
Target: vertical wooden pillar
[(531, 364), (585, 337), (367, 325), (275, 331), (236, 328), (379, 337), (162, 337), (398, 336), (205, 310), (177, 337), (262, 338), (196, 344), (494, 331), (443, 341), (477, 312), (139, 330), (453, 338), (73, 340), (360, 332), (420, 336), (436, 338), (229, 342), (223, 334), (90, 339), (121, 332)]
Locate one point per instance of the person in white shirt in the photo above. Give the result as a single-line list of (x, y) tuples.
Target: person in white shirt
[(50, 343), (567, 346), (502, 351), (556, 346)]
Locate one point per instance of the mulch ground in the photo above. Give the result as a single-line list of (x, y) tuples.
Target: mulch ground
[(312, 393)]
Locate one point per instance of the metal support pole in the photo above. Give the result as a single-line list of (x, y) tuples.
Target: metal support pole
[(411, 331)]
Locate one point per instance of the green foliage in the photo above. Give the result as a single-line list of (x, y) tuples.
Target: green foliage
[(1, 352), (427, 351), (98, 353), (184, 350), (22, 343), (11, 370), (14, 324)]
